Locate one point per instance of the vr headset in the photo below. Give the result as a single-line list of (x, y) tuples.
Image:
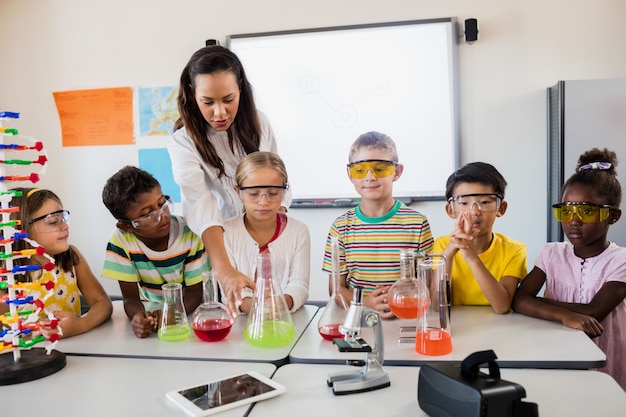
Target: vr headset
[(451, 390)]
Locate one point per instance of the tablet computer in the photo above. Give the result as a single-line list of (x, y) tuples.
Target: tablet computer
[(225, 393)]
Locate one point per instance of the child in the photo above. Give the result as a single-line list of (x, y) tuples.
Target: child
[(149, 247), (371, 234), (261, 180), (45, 221), (585, 279), (484, 267)]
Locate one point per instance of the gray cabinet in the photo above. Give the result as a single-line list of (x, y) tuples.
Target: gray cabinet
[(585, 114)]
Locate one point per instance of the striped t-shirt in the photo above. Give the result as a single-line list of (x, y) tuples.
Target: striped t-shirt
[(128, 259), (369, 246)]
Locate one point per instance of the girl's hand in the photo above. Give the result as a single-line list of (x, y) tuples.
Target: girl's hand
[(68, 322), (587, 324)]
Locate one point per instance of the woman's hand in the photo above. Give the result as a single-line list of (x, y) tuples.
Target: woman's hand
[(232, 284)]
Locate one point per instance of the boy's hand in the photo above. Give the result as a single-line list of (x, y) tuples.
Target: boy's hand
[(145, 323), (377, 301), (463, 235)]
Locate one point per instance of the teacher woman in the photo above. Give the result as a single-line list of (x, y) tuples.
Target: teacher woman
[(218, 126)]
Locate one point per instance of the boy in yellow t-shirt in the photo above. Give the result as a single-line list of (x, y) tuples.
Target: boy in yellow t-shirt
[(485, 267)]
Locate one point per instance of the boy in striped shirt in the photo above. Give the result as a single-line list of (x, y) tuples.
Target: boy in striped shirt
[(371, 234), (149, 247)]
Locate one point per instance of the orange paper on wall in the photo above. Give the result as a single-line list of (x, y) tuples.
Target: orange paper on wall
[(96, 117)]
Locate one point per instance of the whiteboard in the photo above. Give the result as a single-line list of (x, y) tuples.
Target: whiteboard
[(322, 88)]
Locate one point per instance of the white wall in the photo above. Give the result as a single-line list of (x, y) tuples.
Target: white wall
[(523, 48)]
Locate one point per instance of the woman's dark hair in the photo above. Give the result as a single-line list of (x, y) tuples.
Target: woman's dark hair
[(245, 127), (123, 189), (31, 200), (594, 171), (477, 173)]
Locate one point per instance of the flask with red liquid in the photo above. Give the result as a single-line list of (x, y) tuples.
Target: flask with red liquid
[(337, 307), (210, 320), (433, 335), (408, 297)]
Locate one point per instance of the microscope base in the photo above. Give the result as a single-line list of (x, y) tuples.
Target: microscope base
[(369, 378)]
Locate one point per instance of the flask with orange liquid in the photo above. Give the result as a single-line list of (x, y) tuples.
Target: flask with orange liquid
[(433, 328), (408, 297)]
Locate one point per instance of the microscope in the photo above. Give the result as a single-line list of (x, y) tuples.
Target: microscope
[(371, 375)]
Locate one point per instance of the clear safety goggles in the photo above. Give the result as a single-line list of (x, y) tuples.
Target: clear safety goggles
[(272, 193), (51, 222), (486, 203), (586, 212), (153, 218), (380, 168)]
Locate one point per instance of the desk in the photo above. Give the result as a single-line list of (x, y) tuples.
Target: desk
[(96, 386), (115, 338), (557, 393), (519, 342)]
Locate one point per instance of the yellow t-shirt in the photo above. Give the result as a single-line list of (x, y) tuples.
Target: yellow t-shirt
[(504, 257)]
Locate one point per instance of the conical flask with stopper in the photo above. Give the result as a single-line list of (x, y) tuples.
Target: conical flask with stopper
[(408, 296), (174, 323), (433, 335), (210, 321), (269, 322), (337, 307)]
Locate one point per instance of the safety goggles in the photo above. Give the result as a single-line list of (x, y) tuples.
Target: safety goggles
[(272, 193), (153, 218), (586, 212), (51, 222), (486, 203), (380, 168)]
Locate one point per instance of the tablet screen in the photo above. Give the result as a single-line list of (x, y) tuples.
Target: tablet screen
[(219, 393)]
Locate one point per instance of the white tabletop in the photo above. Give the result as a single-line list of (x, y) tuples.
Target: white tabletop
[(115, 338), (557, 392), (519, 342), (96, 386)]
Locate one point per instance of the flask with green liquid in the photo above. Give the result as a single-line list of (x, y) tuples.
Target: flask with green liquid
[(269, 322), (174, 323)]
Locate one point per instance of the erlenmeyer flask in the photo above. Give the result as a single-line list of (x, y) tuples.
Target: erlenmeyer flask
[(210, 321), (269, 322), (433, 329), (337, 307), (174, 324), (408, 296)]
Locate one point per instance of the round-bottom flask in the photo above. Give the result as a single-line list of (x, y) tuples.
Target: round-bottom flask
[(210, 321), (408, 297)]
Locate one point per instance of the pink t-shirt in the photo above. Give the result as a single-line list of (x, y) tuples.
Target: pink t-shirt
[(577, 280)]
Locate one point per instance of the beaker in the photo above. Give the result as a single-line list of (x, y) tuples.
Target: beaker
[(408, 296), (210, 321), (433, 328), (337, 306), (174, 324), (269, 322)]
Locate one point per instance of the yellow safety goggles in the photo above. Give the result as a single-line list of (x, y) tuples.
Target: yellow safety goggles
[(379, 167), (586, 212)]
